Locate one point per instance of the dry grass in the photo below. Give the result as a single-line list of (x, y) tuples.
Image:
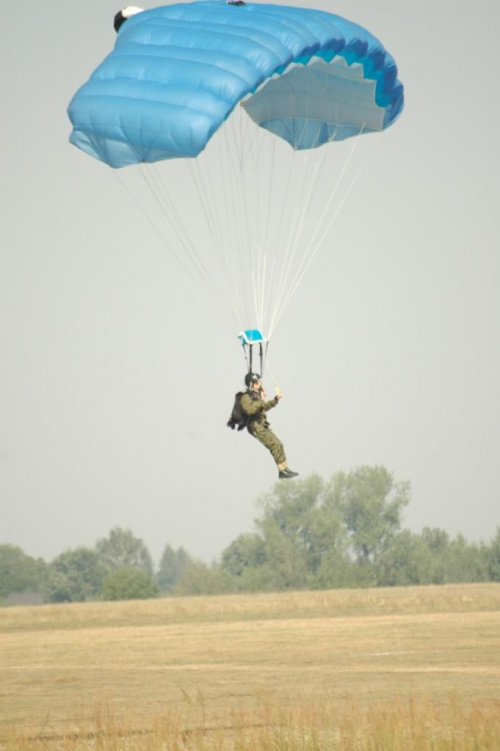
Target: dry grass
[(412, 669), (411, 725)]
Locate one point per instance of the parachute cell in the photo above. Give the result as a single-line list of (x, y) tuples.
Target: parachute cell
[(177, 72)]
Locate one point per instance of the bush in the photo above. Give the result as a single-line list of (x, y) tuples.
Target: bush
[(128, 583)]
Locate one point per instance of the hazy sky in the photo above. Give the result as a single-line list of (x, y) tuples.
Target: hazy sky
[(116, 374)]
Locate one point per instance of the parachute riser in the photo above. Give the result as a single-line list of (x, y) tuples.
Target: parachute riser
[(255, 348)]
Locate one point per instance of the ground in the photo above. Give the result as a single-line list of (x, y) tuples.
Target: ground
[(207, 660)]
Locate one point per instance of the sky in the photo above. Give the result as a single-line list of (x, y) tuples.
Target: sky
[(117, 374)]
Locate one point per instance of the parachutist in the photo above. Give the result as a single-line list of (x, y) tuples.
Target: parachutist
[(249, 412)]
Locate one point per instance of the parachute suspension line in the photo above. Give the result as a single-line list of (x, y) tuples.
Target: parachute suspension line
[(279, 242), (229, 231), (287, 260), (251, 241), (278, 245), (311, 180), (213, 224), (280, 197), (158, 231), (250, 259), (310, 176), (238, 159), (172, 216), (264, 279), (268, 367), (286, 253), (248, 137), (222, 207), (248, 362), (254, 261), (204, 194), (298, 227), (249, 359), (258, 248), (173, 219), (296, 232), (262, 355), (332, 219), (230, 246), (334, 192), (231, 168), (321, 233), (254, 155), (309, 254), (210, 198)]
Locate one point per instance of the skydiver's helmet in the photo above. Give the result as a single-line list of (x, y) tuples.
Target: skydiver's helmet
[(122, 15), (251, 378)]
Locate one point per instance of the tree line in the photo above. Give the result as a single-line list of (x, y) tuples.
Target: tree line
[(311, 534)]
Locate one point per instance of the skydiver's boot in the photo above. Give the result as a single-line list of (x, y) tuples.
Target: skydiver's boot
[(287, 474)]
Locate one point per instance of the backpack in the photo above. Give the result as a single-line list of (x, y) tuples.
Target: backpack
[(238, 417)]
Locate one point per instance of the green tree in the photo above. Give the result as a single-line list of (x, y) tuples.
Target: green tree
[(437, 541), (172, 564), (371, 503), (199, 578), (286, 562), (293, 542), (464, 562), (300, 541), (246, 552), (19, 572), (329, 559), (406, 560), (75, 576), (57, 587), (314, 534), (129, 583), (492, 557), (122, 550)]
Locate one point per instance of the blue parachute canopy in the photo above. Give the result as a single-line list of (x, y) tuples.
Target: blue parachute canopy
[(177, 72)]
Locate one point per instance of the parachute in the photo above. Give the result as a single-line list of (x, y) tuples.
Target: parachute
[(220, 91)]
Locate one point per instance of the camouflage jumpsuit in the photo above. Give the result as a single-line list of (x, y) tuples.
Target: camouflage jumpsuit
[(258, 425)]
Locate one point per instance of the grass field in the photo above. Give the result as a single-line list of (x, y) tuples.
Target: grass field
[(386, 669)]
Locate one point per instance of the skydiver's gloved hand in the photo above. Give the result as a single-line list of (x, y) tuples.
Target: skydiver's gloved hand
[(278, 393)]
